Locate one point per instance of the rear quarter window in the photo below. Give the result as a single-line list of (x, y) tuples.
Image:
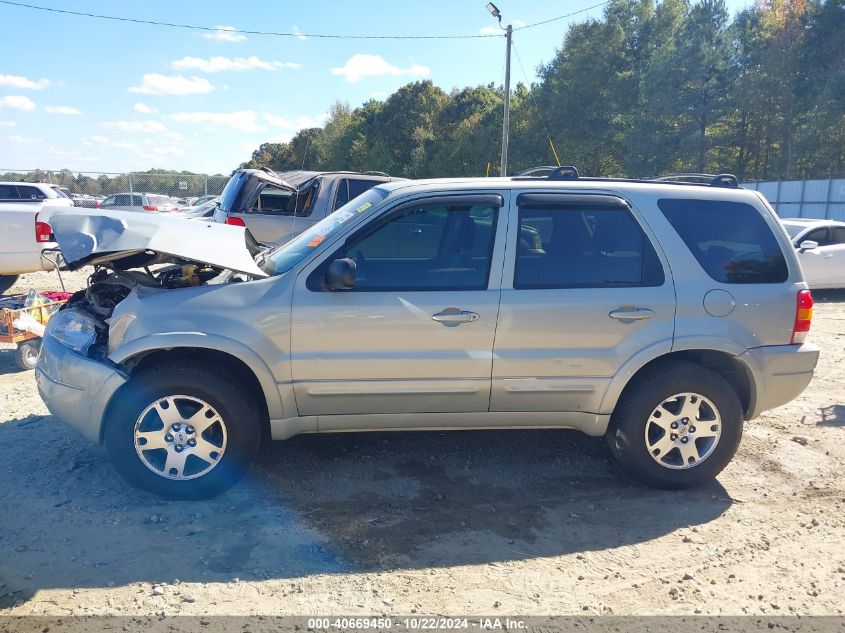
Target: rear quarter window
[(730, 240)]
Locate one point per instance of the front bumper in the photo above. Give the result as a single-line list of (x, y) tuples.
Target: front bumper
[(76, 390), (781, 373)]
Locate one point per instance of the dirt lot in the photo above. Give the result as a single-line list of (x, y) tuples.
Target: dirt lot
[(532, 522)]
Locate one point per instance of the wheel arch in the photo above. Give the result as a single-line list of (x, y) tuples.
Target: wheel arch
[(731, 367), (235, 360)]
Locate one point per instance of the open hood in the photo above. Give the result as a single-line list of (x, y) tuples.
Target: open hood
[(127, 239)]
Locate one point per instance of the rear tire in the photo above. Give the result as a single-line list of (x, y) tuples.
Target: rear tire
[(201, 431), (6, 282), (650, 438)]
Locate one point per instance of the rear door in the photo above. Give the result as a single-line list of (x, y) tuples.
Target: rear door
[(583, 291)]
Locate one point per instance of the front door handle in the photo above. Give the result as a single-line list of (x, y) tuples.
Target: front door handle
[(631, 313), (453, 316)]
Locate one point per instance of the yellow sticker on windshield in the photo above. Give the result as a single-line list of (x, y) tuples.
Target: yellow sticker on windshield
[(364, 207)]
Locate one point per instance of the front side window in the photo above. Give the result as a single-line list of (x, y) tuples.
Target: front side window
[(436, 246), (818, 235), (572, 246), (730, 240)]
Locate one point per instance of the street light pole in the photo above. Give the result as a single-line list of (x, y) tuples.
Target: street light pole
[(506, 116)]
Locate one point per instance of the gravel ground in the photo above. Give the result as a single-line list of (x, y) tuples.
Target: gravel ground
[(510, 522)]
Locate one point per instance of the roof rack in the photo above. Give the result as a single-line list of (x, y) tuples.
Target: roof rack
[(550, 172), (568, 172), (376, 173), (728, 181)]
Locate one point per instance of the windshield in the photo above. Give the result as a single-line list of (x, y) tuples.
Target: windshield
[(282, 258), (793, 229)]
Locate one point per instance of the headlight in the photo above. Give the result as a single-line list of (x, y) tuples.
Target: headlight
[(74, 329)]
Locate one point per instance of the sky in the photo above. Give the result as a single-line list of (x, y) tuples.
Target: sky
[(102, 96)]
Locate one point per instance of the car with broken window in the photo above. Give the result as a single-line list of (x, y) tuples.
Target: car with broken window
[(276, 206), (659, 315)]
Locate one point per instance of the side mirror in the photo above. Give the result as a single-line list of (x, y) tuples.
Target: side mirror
[(807, 245), (340, 275)]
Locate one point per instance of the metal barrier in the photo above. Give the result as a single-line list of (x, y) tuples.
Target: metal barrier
[(822, 199)]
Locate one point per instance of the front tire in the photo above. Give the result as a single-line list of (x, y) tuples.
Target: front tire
[(677, 426), (182, 431)]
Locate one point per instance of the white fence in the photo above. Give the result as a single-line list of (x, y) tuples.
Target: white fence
[(823, 199)]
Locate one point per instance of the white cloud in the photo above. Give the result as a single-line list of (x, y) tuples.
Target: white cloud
[(299, 34), (495, 30), (8, 123), (149, 126), (12, 102), (156, 84), (296, 123), (361, 65), (61, 110), (242, 120), (104, 141), (16, 81), (22, 140), (143, 108), (225, 34), (219, 63)]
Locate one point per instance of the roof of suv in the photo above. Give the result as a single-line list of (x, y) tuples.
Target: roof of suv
[(654, 187), (299, 177)]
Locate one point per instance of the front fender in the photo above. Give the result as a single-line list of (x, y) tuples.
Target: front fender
[(216, 342)]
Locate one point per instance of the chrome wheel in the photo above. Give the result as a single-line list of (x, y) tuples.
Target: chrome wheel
[(180, 437), (683, 431)]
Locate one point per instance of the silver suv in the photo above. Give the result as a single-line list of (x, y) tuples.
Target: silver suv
[(657, 314)]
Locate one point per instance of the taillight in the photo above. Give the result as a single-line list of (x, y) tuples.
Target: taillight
[(149, 207), (97, 204), (43, 231), (235, 221), (803, 316)]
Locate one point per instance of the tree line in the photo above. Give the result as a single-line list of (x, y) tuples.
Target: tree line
[(650, 88), (163, 181)]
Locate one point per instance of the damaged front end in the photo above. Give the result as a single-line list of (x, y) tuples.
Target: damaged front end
[(142, 254)]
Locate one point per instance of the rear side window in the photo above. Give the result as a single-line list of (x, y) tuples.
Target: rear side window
[(730, 240), (9, 192), (31, 193), (567, 246), (838, 235)]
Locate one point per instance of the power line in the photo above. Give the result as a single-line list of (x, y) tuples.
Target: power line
[(561, 17), (197, 27)]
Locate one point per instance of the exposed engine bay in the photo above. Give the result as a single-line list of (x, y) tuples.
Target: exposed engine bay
[(106, 288)]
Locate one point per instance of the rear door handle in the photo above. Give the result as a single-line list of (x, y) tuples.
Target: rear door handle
[(631, 313), (452, 316)]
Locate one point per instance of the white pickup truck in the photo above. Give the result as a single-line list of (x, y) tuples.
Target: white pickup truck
[(22, 241), (22, 237)]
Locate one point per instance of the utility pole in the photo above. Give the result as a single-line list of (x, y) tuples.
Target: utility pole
[(506, 116)]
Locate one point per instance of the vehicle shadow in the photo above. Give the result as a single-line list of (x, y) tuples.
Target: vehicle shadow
[(834, 415), (323, 504), (832, 296), (8, 364)]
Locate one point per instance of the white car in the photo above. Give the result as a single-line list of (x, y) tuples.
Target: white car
[(33, 192), (821, 250)]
